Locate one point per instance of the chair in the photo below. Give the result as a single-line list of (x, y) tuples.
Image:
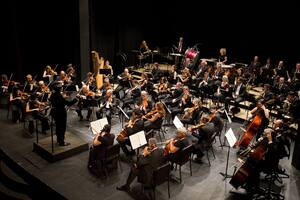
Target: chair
[(181, 157), (112, 155), (209, 146), (161, 175), (219, 132), (160, 129)]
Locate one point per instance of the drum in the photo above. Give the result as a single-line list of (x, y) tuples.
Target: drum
[(191, 53)]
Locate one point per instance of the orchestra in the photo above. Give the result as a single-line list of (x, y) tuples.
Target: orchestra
[(180, 92)]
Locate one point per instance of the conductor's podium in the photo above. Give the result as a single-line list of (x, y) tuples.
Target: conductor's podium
[(44, 147)]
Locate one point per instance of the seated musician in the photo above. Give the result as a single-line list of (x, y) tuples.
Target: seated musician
[(175, 95), (238, 95), (101, 142), (272, 150), (108, 66), (43, 92), (48, 74), (268, 96), (151, 159), (173, 76), (106, 106), (218, 73), (190, 114), (223, 58), (162, 89), (17, 101), (85, 99), (30, 84), (205, 130), (134, 125), (183, 103), (281, 89), (205, 86), (71, 73), (90, 81), (175, 144), (144, 103), (144, 81), (222, 90), (263, 113), (63, 79), (124, 80), (185, 76), (215, 118), (4, 85), (154, 118), (34, 110)]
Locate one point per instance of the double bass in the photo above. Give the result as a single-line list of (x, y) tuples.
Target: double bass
[(257, 153), (250, 132)]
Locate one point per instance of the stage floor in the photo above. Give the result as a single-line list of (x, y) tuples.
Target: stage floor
[(71, 178)]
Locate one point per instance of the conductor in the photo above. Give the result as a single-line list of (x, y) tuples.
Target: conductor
[(59, 113)]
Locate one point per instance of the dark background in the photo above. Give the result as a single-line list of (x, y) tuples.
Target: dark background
[(37, 33)]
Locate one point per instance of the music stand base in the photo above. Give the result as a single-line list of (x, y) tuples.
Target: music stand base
[(225, 176)]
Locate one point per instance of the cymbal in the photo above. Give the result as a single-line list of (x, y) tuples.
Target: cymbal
[(175, 54)]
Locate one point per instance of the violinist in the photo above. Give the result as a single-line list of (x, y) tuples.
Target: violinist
[(63, 79), (34, 110), (134, 125), (151, 159), (71, 73), (263, 113), (43, 92), (184, 101), (186, 76), (17, 102), (238, 95), (106, 106), (90, 81), (176, 144), (162, 86), (101, 142), (85, 98), (4, 84), (30, 84), (173, 76), (190, 114), (205, 130), (144, 103), (144, 81), (154, 118), (124, 80), (49, 74)]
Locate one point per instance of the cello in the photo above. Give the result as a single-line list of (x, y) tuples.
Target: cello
[(250, 132), (249, 166)]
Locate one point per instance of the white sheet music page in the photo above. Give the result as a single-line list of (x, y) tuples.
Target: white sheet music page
[(137, 140), (177, 122), (98, 125), (230, 137)]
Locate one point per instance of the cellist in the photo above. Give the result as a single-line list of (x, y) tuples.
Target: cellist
[(263, 113)]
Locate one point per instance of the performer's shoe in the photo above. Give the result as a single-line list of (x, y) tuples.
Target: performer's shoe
[(64, 144)]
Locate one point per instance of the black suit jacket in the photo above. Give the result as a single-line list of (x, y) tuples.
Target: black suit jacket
[(148, 164), (106, 141)]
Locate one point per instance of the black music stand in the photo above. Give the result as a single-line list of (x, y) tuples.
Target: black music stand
[(123, 115), (105, 71), (231, 139)]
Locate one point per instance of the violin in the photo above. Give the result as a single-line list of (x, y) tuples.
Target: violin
[(123, 134)]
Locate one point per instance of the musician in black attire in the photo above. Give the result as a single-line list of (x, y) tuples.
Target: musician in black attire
[(151, 159), (59, 113), (264, 114), (135, 124), (102, 141), (238, 95)]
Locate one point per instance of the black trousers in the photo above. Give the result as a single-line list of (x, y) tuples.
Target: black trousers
[(61, 125)]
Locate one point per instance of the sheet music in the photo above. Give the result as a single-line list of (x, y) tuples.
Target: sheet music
[(137, 140), (230, 137), (177, 122), (98, 125)]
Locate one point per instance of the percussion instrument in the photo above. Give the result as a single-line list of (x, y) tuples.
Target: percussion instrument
[(191, 53)]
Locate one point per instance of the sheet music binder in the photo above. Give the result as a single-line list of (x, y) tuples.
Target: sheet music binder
[(137, 140), (105, 71), (97, 126)]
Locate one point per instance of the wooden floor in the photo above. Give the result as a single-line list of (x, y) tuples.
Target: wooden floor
[(71, 178)]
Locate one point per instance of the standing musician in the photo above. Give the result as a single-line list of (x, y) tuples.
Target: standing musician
[(223, 56), (59, 113), (134, 125), (106, 106), (264, 114), (35, 108), (205, 129), (85, 100), (49, 74), (101, 142), (154, 118), (151, 159)]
